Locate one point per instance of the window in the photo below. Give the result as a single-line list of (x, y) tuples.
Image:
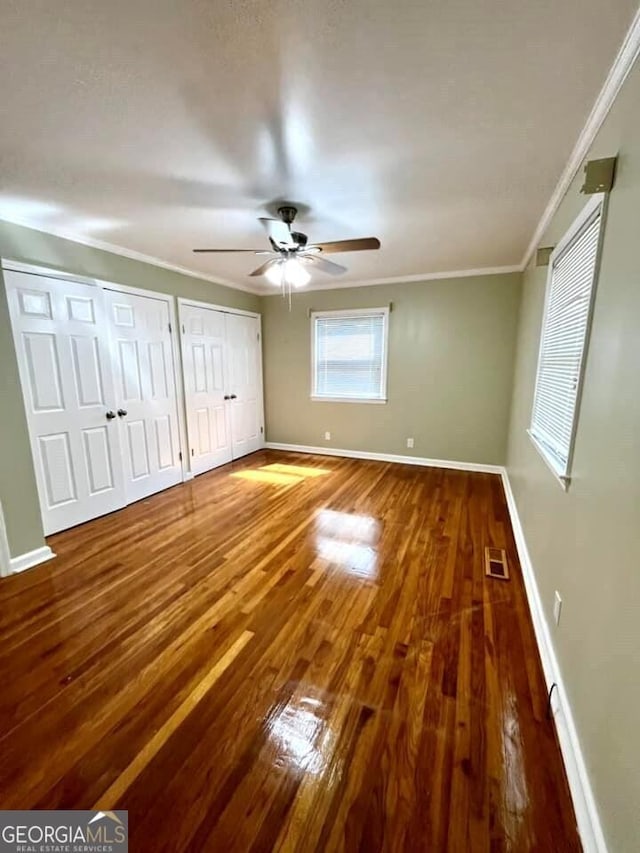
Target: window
[(563, 344), (349, 355)]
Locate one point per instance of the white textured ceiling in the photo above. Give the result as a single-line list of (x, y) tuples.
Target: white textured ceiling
[(440, 126)]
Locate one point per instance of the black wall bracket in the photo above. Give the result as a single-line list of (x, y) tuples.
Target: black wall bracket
[(599, 176)]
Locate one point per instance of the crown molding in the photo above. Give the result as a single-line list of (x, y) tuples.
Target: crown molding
[(621, 67), (131, 254), (405, 279), (257, 291)]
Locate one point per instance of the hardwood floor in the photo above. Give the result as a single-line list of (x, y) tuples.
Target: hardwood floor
[(289, 653)]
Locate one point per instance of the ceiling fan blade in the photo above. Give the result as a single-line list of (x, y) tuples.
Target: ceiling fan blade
[(325, 266), (278, 231), (252, 251), (267, 265), (358, 245)]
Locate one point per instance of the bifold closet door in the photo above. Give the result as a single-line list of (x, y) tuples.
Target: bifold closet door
[(222, 364), (146, 400), (67, 382), (205, 370), (244, 383)]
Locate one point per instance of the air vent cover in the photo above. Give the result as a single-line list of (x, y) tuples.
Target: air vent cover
[(495, 563)]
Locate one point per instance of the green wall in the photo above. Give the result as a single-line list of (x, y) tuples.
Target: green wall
[(18, 494), (450, 371), (585, 543), (451, 353)]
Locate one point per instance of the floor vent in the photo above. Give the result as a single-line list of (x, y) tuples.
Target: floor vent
[(495, 563)]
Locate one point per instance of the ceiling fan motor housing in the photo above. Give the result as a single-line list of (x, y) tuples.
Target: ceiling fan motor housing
[(287, 213)]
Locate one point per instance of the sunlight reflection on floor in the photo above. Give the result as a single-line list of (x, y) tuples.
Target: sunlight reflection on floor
[(280, 474), (302, 735), (297, 470), (348, 540), (274, 477), (348, 525)]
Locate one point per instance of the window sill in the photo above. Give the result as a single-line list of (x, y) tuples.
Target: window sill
[(375, 401), (563, 479)]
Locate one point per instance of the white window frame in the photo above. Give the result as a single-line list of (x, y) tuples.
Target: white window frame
[(351, 312), (597, 202)]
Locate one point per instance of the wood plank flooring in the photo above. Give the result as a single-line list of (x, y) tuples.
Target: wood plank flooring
[(291, 653)]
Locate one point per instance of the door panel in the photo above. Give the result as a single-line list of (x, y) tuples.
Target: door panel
[(66, 376), (203, 431), (130, 383), (245, 382), (86, 369), (43, 364), (138, 449), (80, 309), (163, 442), (146, 392), (98, 459), (203, 362), (58, 467), (158, 371)]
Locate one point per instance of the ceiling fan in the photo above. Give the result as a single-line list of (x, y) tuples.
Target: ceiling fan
[(290, 252)]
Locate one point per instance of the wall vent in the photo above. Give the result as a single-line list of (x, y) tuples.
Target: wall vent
[(495, 563)]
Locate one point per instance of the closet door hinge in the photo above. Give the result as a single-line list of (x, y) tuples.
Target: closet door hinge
[(261, 430), (180, 455), (169, 328), (258, 336)]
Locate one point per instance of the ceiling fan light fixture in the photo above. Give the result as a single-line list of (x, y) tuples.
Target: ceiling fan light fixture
[(291, 254), (274, 274), (289, 272), (296, 273)]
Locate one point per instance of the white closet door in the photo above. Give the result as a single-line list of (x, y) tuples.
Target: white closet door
[(244, 383), (146, 400), (205, 368), (66, 376)]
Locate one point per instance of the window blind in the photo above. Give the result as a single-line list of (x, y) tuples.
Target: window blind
[(349, 352), (564, 332)]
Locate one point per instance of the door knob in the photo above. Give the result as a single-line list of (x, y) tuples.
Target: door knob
[(110, 416), (122, 413), (227, 397), (233, 396)]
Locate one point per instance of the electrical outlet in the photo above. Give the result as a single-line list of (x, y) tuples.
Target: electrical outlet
[(409, 442), (557, 607), (327, 436)]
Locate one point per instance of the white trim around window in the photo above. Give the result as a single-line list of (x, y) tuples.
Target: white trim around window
[(376, 393), (564, 338)]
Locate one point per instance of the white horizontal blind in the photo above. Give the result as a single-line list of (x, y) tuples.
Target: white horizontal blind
[(564, 331), (349, 355)]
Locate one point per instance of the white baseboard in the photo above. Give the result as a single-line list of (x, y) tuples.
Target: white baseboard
[(386, 457), (30, 559), (584, 803)]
